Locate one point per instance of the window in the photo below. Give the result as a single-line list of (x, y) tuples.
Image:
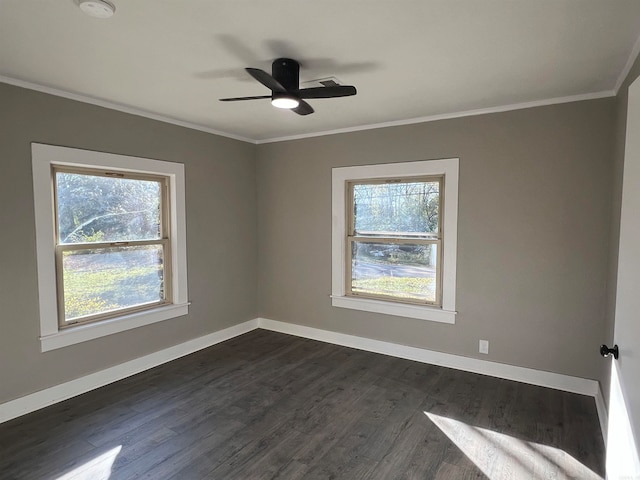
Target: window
[(393, 241), (111, 242), (394, 238), (110, 235)]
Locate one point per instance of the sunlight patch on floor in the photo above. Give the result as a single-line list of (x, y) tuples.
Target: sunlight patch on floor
[(501, 456), (98, 468)]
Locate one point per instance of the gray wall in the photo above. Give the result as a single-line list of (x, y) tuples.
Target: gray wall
[(533, 250), (221, 233), (535, 199)]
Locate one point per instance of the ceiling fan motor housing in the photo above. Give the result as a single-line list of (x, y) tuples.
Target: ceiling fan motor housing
[(287, 72)]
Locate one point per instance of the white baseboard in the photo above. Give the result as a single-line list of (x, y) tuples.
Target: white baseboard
[(509, 372), (603, 416), (64, 391), (58, 393), (541, 378)]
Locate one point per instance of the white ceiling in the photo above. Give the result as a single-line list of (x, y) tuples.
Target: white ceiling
[(409, 59)]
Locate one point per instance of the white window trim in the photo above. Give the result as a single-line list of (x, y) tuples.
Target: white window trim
[(43, 158), (340, 177)]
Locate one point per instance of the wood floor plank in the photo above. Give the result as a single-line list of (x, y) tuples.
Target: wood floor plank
[(417, 452), (266, 406), (175, 452)]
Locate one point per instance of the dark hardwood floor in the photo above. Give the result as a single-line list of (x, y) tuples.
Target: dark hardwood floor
[(267, 405)]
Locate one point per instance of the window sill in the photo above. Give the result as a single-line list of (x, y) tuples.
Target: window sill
[(420, 312), (90, 331)]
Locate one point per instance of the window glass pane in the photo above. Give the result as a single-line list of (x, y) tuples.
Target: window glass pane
[(404, 271), (94, 208), (106, 279), (398, 209)]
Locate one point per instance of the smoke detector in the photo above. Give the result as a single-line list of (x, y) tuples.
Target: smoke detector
[(97, 8)]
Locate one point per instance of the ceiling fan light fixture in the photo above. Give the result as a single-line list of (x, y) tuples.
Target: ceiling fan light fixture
[(285, 101), (284, 83), (97, 8)]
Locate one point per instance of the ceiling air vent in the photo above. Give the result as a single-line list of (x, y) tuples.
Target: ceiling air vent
[(322, 82)]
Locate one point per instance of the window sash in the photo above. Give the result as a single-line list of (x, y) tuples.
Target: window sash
[(394, 241), (413, 238), (165, 226), (439, 179), (164, 241)]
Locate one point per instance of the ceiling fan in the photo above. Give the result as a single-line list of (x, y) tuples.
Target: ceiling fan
[(285, 88)]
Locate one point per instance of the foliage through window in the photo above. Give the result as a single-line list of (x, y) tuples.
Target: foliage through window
[(394, 239), (112, 239)]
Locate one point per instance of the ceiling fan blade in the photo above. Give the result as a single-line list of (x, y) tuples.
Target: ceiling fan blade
[(328, 92), (303, 108), (235, 99), (266, 79)]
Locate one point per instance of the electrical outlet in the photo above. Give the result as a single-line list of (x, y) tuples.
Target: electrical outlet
[(484, 346)]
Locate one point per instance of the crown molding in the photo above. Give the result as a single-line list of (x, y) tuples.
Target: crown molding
[(396, 123), (447, 116), (635, 51), (118, 107)]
